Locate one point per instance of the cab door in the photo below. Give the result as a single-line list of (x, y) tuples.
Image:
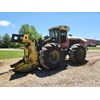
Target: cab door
[(63, 36)]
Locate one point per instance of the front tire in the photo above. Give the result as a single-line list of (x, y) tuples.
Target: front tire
[(50, 56)]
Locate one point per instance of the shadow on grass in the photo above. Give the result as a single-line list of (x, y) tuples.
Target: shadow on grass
[(44, 73)]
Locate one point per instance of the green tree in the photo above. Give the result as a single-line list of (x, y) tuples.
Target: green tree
[(70, 35), (0, 41), (27, 29), (14, 45), (0, 37), (5, 41)]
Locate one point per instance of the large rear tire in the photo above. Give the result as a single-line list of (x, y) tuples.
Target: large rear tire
[(50, 56), (77, 53)]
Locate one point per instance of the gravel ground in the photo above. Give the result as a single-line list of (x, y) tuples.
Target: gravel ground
[(69, 75)]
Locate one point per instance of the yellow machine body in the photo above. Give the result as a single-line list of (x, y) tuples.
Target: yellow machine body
[(30, 59)]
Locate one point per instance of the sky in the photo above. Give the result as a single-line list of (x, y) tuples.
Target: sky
[(82, 24)]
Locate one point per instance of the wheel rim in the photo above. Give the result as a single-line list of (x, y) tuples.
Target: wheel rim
[(54, 57)]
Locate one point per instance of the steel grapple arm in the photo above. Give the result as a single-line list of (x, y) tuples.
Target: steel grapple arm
[(30, 59)]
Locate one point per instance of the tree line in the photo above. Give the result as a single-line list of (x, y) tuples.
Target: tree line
[(5, 40)]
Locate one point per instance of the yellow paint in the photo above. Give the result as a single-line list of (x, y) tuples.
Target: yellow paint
[(30, 56)]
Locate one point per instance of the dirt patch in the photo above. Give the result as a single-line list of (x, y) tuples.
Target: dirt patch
[(86, 74), (5, 64), (2, 63)]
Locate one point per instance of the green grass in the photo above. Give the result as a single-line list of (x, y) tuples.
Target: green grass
[(6, 54), (94, 48)]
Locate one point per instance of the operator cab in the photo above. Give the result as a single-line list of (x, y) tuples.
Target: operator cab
[(59, 34)]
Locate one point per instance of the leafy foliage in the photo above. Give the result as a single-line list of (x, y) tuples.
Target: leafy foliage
[(27, 29), (70, 35), (5, 41)]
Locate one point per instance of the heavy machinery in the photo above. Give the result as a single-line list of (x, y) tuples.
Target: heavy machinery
[(50, 52)]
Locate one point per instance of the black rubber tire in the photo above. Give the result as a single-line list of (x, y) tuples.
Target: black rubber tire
[(50, 56), (77, 53)]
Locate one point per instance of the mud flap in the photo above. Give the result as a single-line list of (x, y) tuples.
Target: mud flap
[(22, 66)]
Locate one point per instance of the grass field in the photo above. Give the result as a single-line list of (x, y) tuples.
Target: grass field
[(5, 54), (94, 48)]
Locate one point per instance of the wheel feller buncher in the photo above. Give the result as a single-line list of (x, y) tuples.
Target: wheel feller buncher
[(50, 52)]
